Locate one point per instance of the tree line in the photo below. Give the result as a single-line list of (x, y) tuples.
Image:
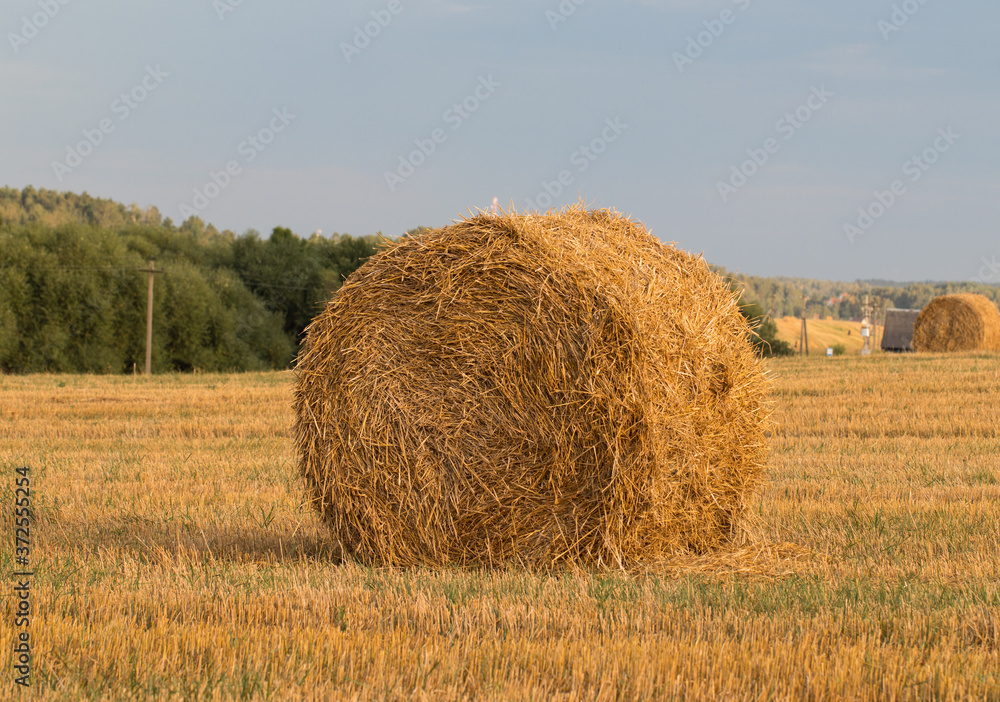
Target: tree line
[(73, 297), (783, 297), (73, 291)]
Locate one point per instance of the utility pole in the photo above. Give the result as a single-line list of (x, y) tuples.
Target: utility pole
[(804, 334), (866, 326), (149, 317)]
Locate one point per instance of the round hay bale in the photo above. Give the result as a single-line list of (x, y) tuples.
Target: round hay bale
[(964, 322), (537, 389)]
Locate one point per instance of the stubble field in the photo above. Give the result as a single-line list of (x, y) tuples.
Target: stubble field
[(174, 559)]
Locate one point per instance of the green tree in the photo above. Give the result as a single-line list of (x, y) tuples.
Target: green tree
[(73, 297), (764, 332), (295, 277)]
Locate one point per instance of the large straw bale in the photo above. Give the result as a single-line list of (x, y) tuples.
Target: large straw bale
[(963, 322), (533, 389)]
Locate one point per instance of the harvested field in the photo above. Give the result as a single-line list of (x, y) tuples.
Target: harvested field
[(823, 333), (176, 559)]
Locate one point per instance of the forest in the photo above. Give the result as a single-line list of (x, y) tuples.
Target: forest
[(73, 294), (73, 297), (783, 297)]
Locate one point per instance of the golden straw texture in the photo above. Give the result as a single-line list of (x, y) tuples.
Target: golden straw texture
[(965, 322), (539, 389)]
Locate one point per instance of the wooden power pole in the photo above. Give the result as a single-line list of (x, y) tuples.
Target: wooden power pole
[(866, 326), (149, 317), (804, 334)]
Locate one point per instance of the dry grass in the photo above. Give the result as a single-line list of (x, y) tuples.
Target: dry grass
[(962, 322), (532, 390), (823, 333), (176, 559)]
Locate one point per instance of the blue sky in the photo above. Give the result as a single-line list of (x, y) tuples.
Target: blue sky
[(838, 140)]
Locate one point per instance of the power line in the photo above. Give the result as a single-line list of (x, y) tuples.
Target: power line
[(254, 282), (261, 284), (67, 268)]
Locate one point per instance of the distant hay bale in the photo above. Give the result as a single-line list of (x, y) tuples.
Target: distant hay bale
[(532, 389), (964, 322)]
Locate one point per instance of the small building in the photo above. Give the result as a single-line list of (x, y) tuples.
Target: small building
[(898, 333)]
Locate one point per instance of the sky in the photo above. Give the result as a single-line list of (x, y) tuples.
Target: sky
[(839, 139)]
